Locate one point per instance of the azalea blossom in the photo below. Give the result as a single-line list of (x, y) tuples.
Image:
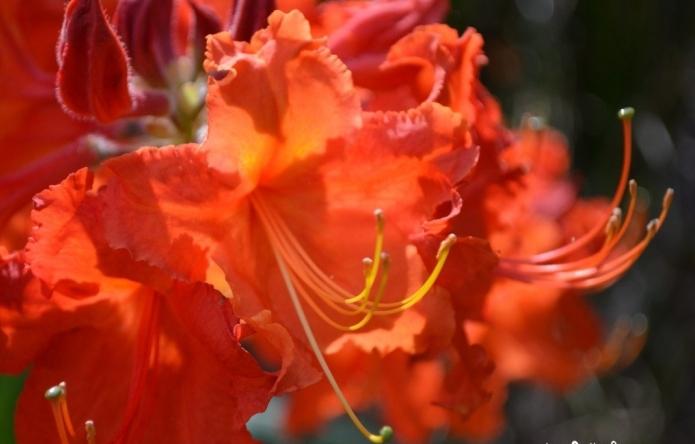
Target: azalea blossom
[(527, 315), (280, 207), (248, 203)]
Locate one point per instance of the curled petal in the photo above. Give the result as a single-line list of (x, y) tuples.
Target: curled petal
[(93, 69), (277, 100), (361, 33)]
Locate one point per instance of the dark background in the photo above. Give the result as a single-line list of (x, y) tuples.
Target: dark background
[(575, 63)]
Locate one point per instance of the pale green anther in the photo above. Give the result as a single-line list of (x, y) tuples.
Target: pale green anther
[(386, 434), (54, 393), (626, 113)]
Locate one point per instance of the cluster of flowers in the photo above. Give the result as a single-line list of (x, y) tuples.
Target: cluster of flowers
[(245, 203)]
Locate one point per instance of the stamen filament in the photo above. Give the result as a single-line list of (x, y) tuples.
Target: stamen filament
[(64, 408), (417, 295), (612, 239), (386, 265), (314, 275), (311, 282), (90, 432), (625, 116), (56, 396), (386, 432), (597, 274)]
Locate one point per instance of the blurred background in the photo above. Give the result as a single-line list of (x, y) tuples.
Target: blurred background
[(575, 63)]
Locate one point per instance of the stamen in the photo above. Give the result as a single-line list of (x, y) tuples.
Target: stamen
[(442, 255), (311, 282), (64, 409), (376, 262), (592, 271), (386, 432), (612, 239), (625, 115), (611, 270), (56, 395), (90, 432), (386, 265)]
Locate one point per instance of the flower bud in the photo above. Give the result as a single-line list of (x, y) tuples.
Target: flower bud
[(92, 80)]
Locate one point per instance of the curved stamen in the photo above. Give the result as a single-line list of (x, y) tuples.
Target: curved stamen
[(613, 238), (314, 274), (625, 116), (599, 277), (379, 294), (386, 432), (56, 395), (593, 271), (442, 255), (310, 279)]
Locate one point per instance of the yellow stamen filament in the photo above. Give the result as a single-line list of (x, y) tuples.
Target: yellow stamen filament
[(594, 271), (307, 283), (386, 431), (314, 286)]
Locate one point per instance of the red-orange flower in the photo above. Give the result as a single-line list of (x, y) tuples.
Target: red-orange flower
[(58, 117), (146, 358), (293, 186), (310, 226), (518, 197)]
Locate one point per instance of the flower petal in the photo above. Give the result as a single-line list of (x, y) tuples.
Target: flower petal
[(275, 101)]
